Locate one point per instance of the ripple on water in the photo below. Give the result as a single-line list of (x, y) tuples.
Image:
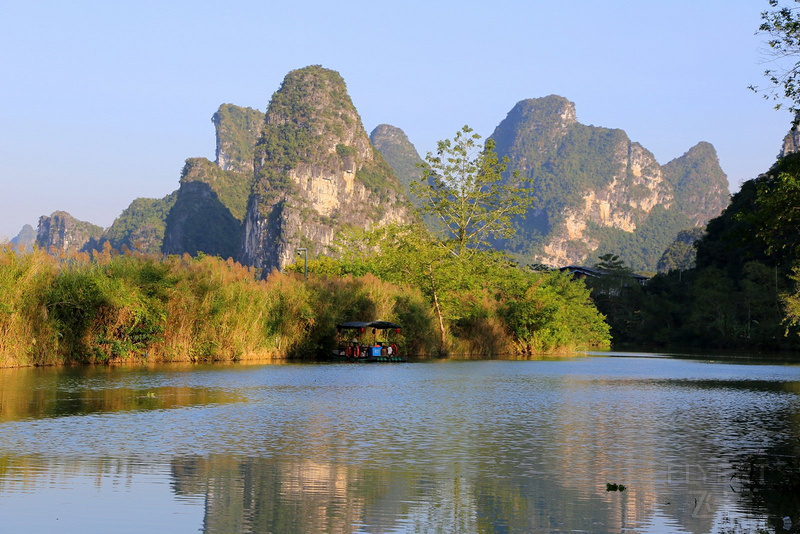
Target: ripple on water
[(523, 446)]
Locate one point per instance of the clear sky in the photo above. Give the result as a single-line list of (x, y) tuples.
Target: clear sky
[(101, 102)]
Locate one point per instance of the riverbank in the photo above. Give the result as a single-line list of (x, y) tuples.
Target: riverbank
[(81, 309)]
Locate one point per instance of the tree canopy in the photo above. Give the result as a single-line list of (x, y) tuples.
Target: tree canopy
[(462, 187), (782, 25)]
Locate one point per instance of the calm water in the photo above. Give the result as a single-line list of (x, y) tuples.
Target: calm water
[(477, 446)]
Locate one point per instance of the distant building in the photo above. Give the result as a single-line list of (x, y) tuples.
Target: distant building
[(579, 273)]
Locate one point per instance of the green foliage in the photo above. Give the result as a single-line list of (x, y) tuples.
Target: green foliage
[(399, 153), (231, 188), (121, 307), (741, 292), (731, 238), (346, 151), (139, 227), (564, 161), (612, 263), (681, 254), (208, 212), (585, 160), (547, 115), (782, 26), (777, 218), (791, 301), (759, 225), (617, 294), (27, 335), (560, 164), (556, 313), (712, 315), (73, 302), (461, 186), (642, 249), (309, 113), (700, 186), (482, 303), (61, 232), (377, 176)]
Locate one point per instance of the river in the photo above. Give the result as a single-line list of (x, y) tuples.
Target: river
[(448, 446)]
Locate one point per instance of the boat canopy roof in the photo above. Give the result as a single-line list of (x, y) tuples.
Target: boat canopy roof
[(357, 325)]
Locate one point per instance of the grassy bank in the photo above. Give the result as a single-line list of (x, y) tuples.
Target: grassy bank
[(114, 308)]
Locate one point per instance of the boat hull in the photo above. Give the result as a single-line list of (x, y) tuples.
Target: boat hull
[(340, 356)]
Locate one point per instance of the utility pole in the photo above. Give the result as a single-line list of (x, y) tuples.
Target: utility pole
[(305, 260)]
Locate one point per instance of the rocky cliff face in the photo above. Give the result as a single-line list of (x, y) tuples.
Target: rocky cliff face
[(315, 172), (597, 191), (212, 199), (208, 212), (237, 130), (791, 144), (62, 232)]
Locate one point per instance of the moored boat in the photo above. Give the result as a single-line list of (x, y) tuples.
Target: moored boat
[(368, 342)]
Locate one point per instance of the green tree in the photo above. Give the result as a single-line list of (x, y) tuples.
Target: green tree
[(782, 26), (462, 187), (791, 302), (712, 312), (778, 201), (408, 254), (681, 255), (617, 294), (555, 312)]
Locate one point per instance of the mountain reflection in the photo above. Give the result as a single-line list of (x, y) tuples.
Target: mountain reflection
[(466, 447), (42, 393), (264, 495)]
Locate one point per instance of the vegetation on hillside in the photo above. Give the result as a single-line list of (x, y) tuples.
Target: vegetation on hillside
[(694, 176), (311, 108), (681, 254), (25, 238), (139, 227), (232, 188), (482, 303), (743, 291), (451, 294), (399, 153), (566, 162), (237, 131), (208, 211), (61, 231)]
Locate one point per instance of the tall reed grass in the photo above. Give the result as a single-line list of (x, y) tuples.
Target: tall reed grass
[(27, 336), (132, 307)]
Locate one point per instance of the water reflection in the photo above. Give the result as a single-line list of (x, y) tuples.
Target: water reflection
[(38, 393), (459, 446)]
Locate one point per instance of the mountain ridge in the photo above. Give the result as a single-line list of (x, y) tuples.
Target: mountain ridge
[(597, 189), (295, 175)]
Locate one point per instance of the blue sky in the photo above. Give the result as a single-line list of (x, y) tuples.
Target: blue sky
[(101, 102)]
